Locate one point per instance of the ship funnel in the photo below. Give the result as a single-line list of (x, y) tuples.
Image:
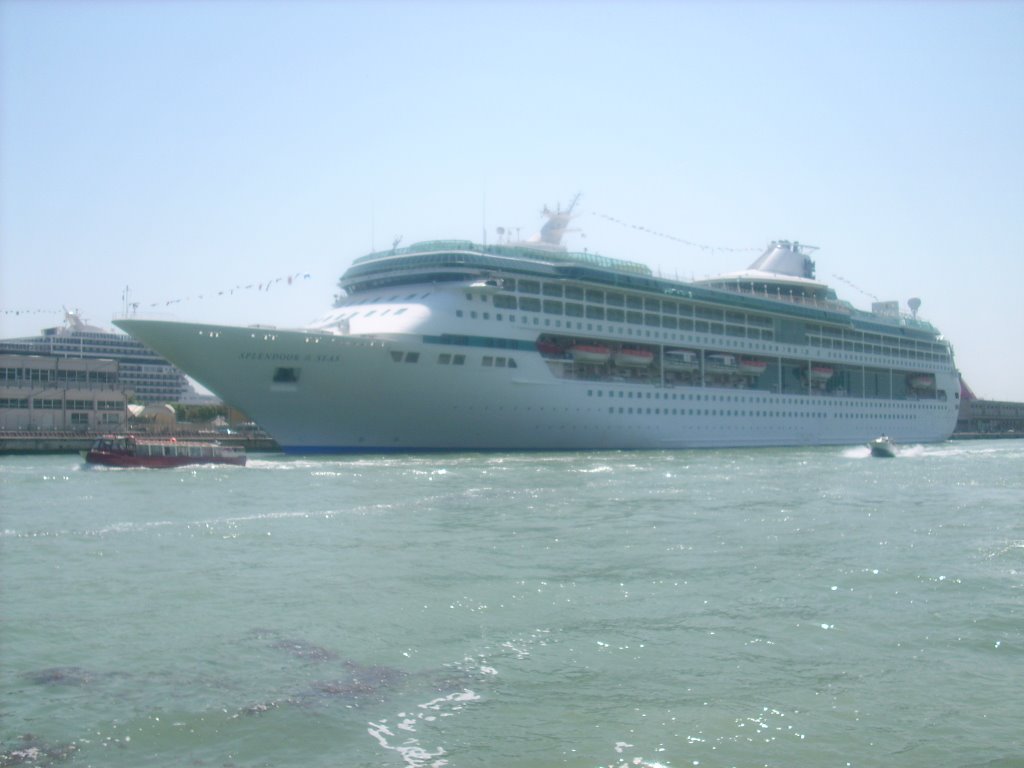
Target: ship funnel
[(914, 304), (785, 258)]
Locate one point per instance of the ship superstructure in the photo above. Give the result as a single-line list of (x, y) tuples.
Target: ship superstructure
[(454, 345)]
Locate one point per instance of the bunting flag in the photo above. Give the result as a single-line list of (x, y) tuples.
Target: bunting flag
[(288, 280), (857, 288), (710, 248), (265, 287), (19, 312)]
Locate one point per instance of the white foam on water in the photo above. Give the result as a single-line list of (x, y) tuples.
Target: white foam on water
[(411, 750)]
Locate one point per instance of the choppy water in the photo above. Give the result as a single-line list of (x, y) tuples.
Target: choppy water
[(714, 608)]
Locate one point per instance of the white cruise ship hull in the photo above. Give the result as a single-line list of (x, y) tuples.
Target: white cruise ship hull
[(326, 392)]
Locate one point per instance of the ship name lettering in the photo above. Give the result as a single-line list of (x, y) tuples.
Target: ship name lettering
[(282, 356)]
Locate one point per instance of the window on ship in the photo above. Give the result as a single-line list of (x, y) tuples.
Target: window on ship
[(286, 375)]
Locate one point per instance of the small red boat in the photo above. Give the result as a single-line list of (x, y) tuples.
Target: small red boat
[(160, 453)]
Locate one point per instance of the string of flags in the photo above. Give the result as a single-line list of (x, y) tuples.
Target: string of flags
[(711, 248), (857, 288), (265, 286), (19, 312), (262, 286)]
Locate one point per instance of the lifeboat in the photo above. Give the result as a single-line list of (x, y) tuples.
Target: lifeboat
[(548, 348), (751, 366), (680, 360), (821, 373), (922, 381), (633, 358), (590, 354)]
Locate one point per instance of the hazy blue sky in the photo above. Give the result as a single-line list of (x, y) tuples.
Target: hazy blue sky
[(187, 148)]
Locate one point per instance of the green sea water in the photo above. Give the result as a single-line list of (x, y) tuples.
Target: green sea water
[(696, 608)]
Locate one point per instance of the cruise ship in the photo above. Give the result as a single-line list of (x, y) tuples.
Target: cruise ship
[(149, 377), (454, 345)]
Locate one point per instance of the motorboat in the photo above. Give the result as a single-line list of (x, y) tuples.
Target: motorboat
[(882, 447)]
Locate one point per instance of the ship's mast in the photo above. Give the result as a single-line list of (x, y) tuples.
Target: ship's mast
[(557, 224)]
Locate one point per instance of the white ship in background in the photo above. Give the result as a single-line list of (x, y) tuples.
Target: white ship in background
[(452, 345), (149, 377)]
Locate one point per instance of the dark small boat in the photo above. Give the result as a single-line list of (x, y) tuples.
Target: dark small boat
[(882, 447), (160, 453)]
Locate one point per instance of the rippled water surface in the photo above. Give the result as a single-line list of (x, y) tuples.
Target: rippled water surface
[(714, 608)]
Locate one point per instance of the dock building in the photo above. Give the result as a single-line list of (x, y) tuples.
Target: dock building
[(53, 394)]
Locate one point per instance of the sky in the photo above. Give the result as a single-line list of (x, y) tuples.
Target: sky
[(227, 161)]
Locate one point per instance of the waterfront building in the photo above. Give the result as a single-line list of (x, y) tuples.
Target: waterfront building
[(990, 418), (48, 393)]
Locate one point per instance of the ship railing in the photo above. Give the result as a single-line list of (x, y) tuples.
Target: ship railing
[(788, 297), (524, 251)]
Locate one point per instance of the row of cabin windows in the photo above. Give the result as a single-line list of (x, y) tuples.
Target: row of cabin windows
[(288, 375), (61, 375), (57, 404), (663, 313), (632, 317), (756, 414), (684, 325), (51, 404), (756, 400), (905, 349), (448, 358), (600, 302)]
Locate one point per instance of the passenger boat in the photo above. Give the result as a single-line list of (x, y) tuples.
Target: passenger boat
[(159, 453), (882, 447), (434, 346)]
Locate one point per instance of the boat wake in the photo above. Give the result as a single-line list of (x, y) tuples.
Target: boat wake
[(900, 452), (857, 452)]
